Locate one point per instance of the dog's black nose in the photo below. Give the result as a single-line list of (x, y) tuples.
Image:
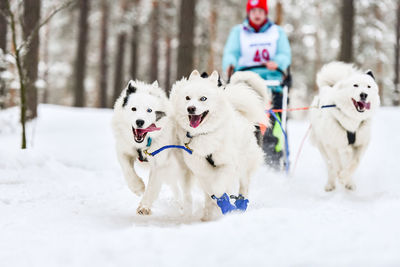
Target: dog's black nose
[(139, 123), (191, 109), (363, 96)]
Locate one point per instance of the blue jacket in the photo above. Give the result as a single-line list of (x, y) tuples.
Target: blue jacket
[(232, 52)]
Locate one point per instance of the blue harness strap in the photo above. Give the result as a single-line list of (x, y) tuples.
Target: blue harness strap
[(167, 147), (329, 106)]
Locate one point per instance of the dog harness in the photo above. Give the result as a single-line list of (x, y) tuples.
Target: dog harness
[(139, 151), (351, 138), (209, 157)]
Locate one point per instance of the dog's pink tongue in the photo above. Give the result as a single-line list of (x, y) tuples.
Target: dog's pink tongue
[(195, 120), (363, 105), (151, 128)]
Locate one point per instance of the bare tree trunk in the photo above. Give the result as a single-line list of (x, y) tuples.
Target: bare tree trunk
[(134, 51), (120, 56), (318, 50), (186, 34), (3, 26), (102, 103), (378, 48), (31, 58), (168, 8), (119, 66), (3, 46), (80, 60), (346, 47), (45, 52), (396, 98), (168, 51), (213, 35), (279, 13), (154, 41), (134, 43)]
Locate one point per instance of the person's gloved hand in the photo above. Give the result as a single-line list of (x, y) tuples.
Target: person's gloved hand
[(271, 65)]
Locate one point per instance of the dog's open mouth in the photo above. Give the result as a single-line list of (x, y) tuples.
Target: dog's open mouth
[(195, 120), (361, 106), (140, 134)]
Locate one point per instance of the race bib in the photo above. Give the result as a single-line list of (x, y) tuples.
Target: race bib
[(257, 48)]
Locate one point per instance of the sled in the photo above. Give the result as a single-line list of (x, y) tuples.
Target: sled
[(286, 83)]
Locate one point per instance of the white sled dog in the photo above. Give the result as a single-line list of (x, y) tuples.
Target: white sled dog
[(141, 123), (342, 133), (217, 123)]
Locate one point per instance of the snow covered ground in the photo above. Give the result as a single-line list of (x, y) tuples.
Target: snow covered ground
[(64, 203)]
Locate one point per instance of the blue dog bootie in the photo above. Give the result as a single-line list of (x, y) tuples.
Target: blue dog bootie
[(224, 203), (240, 202)]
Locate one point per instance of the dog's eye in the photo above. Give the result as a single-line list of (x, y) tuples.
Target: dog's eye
[(149, 110), (187, 98), (203, 98), (356, 85), (133, 109), (369, 86)]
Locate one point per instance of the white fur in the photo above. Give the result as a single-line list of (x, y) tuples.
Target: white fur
[(164, 167), (338, 83), (226, 133)]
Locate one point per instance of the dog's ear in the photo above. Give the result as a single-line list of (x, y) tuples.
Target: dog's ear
[(219, 81), (155, 84), (204, 75), (194, 74), (214, 76), (369, 72), (131, 88), (160, 114)]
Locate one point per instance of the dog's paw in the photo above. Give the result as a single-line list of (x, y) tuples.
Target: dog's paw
[(350, 186), (143, 211), (330, 187), (206, 218)]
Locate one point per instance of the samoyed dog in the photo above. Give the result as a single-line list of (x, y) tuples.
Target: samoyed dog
[(342, 133), (218, 124), (141, 124)]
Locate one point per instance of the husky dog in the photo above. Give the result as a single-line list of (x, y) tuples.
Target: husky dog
[(217, 123), (140, 124), (342, 133)]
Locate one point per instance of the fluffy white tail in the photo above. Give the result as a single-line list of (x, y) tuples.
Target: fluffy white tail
[(249, 95), (332, 72)]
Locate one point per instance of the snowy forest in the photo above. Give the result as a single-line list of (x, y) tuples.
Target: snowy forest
[(64, 200), (88, 50)]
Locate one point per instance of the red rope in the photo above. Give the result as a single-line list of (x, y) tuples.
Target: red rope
[(291, 109)]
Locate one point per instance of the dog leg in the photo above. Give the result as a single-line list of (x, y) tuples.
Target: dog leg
[(244, 186), (151, 193), (348, 172), (332, 174), (135, 183), (210, 208), (186, 188)]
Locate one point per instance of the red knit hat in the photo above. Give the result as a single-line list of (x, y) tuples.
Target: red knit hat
[(257, 3)]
